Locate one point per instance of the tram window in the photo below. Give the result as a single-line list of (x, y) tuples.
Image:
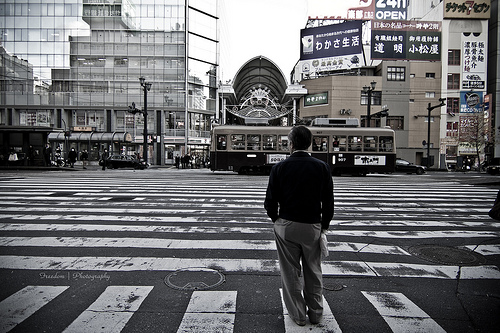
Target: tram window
[(253, 141), (283, 143), (370, 143), (238, 142), (386, 143), (269, 141), (221, 142), (339, 143), (320, 143), (355, 143)]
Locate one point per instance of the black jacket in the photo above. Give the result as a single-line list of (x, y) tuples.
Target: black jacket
[(300, 189)]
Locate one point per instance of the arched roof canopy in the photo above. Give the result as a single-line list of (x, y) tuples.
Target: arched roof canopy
[(260, 71)]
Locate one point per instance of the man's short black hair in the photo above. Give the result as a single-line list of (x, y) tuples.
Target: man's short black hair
[(301, 137)]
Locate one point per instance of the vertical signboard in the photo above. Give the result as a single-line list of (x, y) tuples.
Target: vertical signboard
[(474, 61), (406, 40)]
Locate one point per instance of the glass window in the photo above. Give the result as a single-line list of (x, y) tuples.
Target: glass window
[(430, 75), (454, 57), (453, 105), (453, 81), (376, 98), (238, 141), (355, 143), (320, 143), (396, 73), (221, 142), (452, 128), (386, 143), (395, 122), (283, 143), (370, 143), (253, 141), (269, 141), (339, 143)]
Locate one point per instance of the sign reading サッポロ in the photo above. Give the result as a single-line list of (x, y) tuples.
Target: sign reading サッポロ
[(406, 40)]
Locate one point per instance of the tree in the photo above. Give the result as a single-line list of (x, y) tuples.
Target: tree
[(475, 133)]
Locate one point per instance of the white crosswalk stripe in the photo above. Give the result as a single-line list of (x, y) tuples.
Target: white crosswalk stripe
[(401, 314), (111, 311), (75, 223), (209, 311), (24, 303)]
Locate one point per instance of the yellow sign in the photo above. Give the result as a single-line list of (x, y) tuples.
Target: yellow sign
[(463, 9)]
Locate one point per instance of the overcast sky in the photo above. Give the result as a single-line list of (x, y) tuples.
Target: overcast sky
[(270, 28)]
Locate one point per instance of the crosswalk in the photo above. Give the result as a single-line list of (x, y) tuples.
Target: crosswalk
[(74, 229)]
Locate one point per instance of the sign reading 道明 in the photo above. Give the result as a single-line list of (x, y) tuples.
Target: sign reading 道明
[(406, 40)]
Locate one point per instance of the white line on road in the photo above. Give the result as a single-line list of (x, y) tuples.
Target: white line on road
[(209, 311), (25, 302), (327, 325), (333, 268), (401, 314), (111, 311)]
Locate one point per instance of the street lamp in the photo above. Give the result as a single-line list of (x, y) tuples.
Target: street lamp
[(146, 86), (369, 90), (429, 109)]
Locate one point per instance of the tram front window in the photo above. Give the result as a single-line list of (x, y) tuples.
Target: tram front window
[(253, 141), (339, 143), (238, 142), (320, 143)]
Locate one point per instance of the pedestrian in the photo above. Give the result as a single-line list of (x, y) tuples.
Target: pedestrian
[(104, 157), (72, 155), (299, 200), (84, 157), (47, 151)]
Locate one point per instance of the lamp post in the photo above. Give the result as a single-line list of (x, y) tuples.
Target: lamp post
[(368, 90), (146, 86), (429, 109)]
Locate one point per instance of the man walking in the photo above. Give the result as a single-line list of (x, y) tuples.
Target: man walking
[(299, 200)]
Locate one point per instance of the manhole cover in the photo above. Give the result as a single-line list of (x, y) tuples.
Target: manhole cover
[(194, 278), (332, 286), (447, 255)]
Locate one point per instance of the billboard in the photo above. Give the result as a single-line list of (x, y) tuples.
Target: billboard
[(331, 40), (471, 101), (467, 9), (406, 40), (331, 47), (474, 61)]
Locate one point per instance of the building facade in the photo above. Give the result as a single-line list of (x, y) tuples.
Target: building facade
[(87, 57)]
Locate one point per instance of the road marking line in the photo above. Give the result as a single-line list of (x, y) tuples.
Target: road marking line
[(111, 311), (209, 311), (401, 314), (327, 325), (330, 268), (22, 304)]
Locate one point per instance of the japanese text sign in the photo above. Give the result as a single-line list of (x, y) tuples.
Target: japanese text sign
[(467, 9), (331, 40), (410, 40)]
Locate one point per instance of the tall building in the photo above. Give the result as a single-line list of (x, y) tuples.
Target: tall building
[(87, 58)]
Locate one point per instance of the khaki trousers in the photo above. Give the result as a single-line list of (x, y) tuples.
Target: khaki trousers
[(296, 243)]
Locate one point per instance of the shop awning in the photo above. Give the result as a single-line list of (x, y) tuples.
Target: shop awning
[(92, 136)]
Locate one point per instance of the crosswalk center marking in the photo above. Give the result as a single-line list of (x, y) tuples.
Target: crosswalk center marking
[(209, 311), (401, 314), (22, 304), (111, 311)]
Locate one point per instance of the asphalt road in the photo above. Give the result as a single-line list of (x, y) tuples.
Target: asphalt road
[(167, 250)]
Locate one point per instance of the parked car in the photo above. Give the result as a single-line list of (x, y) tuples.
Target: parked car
[(493, 169), (124, 161), (405, 166)]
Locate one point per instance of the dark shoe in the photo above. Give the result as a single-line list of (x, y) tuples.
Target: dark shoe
[(314, 319), (299, 322)]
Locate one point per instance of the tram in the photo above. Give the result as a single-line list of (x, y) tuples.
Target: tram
[(347, 150)]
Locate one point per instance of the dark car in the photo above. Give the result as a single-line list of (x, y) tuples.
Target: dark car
[(405, 166), (124, 161)]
